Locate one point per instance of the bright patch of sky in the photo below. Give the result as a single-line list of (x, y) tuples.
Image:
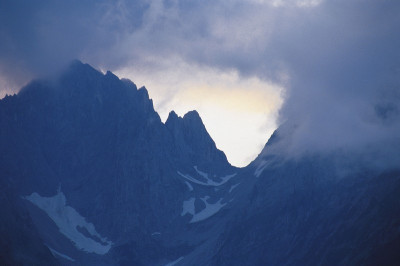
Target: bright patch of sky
[(236, 62), (240, 113)]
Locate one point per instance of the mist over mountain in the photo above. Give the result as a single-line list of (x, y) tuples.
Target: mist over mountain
[(90, 175)]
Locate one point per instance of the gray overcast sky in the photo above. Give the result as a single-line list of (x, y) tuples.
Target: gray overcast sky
[(331, 67)]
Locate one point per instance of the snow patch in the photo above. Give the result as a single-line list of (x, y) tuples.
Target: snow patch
[(174, 262), (209, 181), (208, 211), (68, 220), (188, 207), (261, 168), (203, 174), (60, 255), (190, 187), (233, 187)]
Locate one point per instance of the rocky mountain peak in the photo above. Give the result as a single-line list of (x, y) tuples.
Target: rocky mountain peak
[(190, 135)]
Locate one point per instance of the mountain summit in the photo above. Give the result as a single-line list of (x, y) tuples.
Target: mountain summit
[(92, 145), (89, 175), (190, 135)]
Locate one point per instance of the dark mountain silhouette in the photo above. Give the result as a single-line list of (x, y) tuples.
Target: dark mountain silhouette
[(91, 176)]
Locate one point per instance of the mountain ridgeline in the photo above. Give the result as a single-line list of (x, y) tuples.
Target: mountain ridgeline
[(90, 175)]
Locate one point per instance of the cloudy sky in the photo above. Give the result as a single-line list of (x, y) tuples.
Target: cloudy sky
[(332, 68)]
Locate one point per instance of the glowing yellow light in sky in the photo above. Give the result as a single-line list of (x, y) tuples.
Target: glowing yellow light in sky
[(238, 112)]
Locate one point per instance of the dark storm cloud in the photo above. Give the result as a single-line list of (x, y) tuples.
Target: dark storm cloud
[(38, 36), (345, 87), (339, 60)]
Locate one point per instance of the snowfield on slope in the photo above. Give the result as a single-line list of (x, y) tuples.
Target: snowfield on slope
[(59, 254), (68, 220), (208, 182), (207, 212)]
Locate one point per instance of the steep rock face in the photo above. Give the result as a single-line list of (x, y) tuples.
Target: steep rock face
[(318, 209), (105, 182), (192, 142), (97, 140), (20, 243)]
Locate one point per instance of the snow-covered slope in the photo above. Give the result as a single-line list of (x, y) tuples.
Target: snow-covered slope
[(136, 191), (71, 224), (99, 138)]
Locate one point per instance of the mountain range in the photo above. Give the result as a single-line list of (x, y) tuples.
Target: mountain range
[(90, 175)]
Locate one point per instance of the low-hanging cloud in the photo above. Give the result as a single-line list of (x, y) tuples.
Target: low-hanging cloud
[(338, 60), (345, 90)]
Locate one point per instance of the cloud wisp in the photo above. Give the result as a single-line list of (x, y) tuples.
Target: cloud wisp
[(335, 64)]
